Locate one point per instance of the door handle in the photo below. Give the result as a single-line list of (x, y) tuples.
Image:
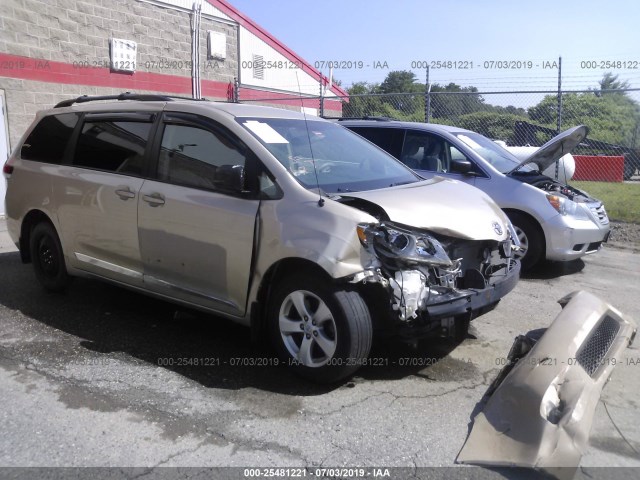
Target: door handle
[(125, 193), (154, 200)]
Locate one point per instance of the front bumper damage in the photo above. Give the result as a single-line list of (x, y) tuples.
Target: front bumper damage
[(431, 279), (541, 406)]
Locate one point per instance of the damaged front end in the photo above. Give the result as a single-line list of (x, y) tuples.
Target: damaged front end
[(432, 280), (541, 406)]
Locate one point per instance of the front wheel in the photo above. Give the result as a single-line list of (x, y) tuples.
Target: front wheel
[(47, 258), (323, 332), (531, 241)]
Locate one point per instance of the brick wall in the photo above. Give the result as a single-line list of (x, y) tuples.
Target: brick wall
[(77, 32)]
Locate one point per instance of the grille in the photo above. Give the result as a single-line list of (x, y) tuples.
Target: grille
[(594, 246), (593, 351), (601, 214)]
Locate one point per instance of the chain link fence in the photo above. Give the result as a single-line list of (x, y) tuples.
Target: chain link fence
[(520, 119)]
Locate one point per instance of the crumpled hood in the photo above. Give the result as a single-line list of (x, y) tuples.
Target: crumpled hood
[(555, 148), (444, 206)]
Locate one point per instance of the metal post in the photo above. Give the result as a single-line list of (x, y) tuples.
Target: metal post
[(427, 99), (559, 117), (236, 90), (321, 112)]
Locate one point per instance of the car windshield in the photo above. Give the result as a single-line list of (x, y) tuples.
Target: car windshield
[(498, 157), (324, 155)]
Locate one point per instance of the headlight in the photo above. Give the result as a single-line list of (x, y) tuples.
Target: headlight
[(564, 206), (392, 242)]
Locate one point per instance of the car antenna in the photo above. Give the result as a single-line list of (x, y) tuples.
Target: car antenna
[(306, 125)]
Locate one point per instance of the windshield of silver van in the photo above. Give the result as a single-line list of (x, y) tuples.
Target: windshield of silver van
[(498, 157), (328, 156)]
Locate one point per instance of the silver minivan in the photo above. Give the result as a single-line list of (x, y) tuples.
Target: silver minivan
[(291, 225), (553, 220)]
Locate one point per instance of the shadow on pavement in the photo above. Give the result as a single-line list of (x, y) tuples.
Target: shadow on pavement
[(548, 270), (108, 319)]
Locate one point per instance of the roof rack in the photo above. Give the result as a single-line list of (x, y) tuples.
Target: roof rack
[(366, 117), (124, 96)]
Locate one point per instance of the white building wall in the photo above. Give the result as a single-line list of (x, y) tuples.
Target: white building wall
[(279, 75), (207, 8)]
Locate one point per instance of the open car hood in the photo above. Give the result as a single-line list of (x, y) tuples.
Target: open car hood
[(541, 406), (555, 148), (442, 206)]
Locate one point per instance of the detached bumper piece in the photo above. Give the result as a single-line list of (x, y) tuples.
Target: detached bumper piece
[(541, 406)]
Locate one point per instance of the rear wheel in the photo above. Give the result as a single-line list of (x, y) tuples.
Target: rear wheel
[(531, 240), (47, 258), (324, 333)]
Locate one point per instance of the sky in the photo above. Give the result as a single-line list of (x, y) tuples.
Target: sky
[(484, 35)]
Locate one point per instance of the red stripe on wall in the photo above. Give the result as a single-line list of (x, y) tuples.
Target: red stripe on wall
[(26, 68)]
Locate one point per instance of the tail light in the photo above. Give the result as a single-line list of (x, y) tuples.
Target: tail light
[(8, 168)]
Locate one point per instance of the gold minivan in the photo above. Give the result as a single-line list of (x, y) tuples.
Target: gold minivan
[(289, 224)]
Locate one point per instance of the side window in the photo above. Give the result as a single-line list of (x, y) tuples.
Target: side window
[(424, 151), (113, 146), (389, 139), (455, 154), (49, 139), (197, 157)]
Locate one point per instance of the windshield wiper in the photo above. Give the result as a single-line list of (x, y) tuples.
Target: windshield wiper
[(401, 183)]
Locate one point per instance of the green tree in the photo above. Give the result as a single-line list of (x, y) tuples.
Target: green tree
[(610, 118), (401, 81), (610, 82), (361, 102), (452, 101), (495, 125)]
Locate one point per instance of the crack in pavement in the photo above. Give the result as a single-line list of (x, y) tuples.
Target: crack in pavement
[(177, 454), (395, 396), (435, 395), (618, 430), (168, 416)]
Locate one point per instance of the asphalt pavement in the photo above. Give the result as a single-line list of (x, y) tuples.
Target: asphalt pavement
[(104, 377)]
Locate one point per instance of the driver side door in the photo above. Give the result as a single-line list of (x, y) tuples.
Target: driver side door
[(197, 234)]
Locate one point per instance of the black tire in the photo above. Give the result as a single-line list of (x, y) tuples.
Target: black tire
[(47, 258), (530, 237), (347, 327)]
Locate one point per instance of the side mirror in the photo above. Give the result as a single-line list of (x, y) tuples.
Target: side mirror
[(460, 165), (231, 178)]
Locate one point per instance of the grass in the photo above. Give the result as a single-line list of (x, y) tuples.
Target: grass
[(622, 200)]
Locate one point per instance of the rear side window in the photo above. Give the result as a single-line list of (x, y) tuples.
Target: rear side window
[(49, 139), (113, 146), (389, 139)]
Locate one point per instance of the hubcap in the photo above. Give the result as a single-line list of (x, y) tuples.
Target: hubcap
[(524, 243), (307, 328), (47, 256)]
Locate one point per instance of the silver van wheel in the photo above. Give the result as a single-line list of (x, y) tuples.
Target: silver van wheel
[(524, 243), (307, 328)]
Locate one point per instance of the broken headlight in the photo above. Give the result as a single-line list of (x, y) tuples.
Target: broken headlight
[(390, 243)]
